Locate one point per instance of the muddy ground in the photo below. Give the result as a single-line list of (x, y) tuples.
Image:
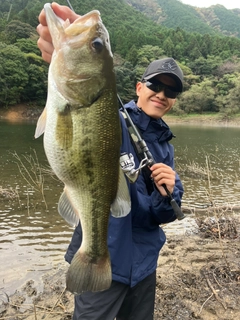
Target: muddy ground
[(198, 277), (199, 274)]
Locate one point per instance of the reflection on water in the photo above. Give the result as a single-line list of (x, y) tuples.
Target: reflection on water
[(29, 245), (208, 160), (33, 239)]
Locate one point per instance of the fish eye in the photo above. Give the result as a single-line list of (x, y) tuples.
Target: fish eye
[(97, 44)]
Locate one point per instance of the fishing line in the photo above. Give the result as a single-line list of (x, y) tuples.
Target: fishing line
[(70, 6)]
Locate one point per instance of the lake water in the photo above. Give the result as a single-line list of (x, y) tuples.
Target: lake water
[(208, 160), (34, 238)]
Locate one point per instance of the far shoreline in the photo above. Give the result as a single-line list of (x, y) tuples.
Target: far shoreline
[(202, 120), (27, 112)]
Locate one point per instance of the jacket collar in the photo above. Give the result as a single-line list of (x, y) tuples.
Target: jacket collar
[(149, 127)]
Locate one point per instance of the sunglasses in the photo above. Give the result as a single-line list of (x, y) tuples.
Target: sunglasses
[(158, 86)]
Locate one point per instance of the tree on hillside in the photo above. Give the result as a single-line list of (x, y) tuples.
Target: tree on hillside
[(18, 30), (168, 47), (145, 55), (126, 80), (132, 55), (229, 99), (36, 90), (148, 53), (205, 45), (13, 75), (28, 46), (204, 66), (226, 83), (199, 98), (228, 66)]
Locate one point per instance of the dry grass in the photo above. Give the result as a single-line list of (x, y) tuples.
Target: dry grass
[(8, 193)]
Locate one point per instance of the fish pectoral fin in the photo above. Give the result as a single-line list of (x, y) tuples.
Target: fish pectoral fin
[(41, 124), (66, 210), (121, 206)]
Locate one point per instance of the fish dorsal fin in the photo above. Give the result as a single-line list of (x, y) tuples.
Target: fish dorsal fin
[(66, 210), (41, 124), (121, 206)]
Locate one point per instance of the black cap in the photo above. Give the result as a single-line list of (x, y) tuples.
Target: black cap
[(166, 66)]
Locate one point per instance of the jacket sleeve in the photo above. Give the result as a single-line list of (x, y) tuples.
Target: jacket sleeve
[(161, 208), (74, 244), (155, 209)]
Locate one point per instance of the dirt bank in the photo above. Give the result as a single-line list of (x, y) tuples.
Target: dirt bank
[(20, 112), (23, 112), (203, 119)]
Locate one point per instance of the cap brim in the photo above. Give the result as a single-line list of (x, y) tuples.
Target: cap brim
[(179, 86)]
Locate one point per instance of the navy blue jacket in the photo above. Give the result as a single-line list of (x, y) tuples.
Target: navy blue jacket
[(134, 241)]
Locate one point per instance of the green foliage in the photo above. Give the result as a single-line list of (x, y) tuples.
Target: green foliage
[(182, 16), (205, 66), (228, 100), (17, 30), (199, 98), (175, 14), (210, 61), (22, 76), (36, 90), (229, 23), (147, 54), (13, 74), (144, 56), (28, 46), (3, 23), (226, 83), (125, 76)]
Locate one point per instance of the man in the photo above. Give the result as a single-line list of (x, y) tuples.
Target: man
[(134, 241)]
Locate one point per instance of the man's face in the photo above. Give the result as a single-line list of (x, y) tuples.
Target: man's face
[(155, 104)]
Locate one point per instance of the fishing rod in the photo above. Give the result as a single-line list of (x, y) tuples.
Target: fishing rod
[(148, 160)]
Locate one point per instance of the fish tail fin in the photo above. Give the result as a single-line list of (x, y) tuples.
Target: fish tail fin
[(87, 275)]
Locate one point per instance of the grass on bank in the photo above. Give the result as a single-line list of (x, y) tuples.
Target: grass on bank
[(206, 118)]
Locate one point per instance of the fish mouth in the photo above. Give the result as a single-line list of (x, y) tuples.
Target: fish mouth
[(77, 33), (79, 26)]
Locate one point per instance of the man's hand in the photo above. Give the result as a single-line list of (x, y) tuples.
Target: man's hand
[(45, 40), (163, 174)]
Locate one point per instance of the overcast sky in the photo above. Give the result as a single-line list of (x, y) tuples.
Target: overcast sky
[(229, 4)]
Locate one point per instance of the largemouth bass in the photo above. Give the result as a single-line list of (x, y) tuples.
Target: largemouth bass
[(82, 139)]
